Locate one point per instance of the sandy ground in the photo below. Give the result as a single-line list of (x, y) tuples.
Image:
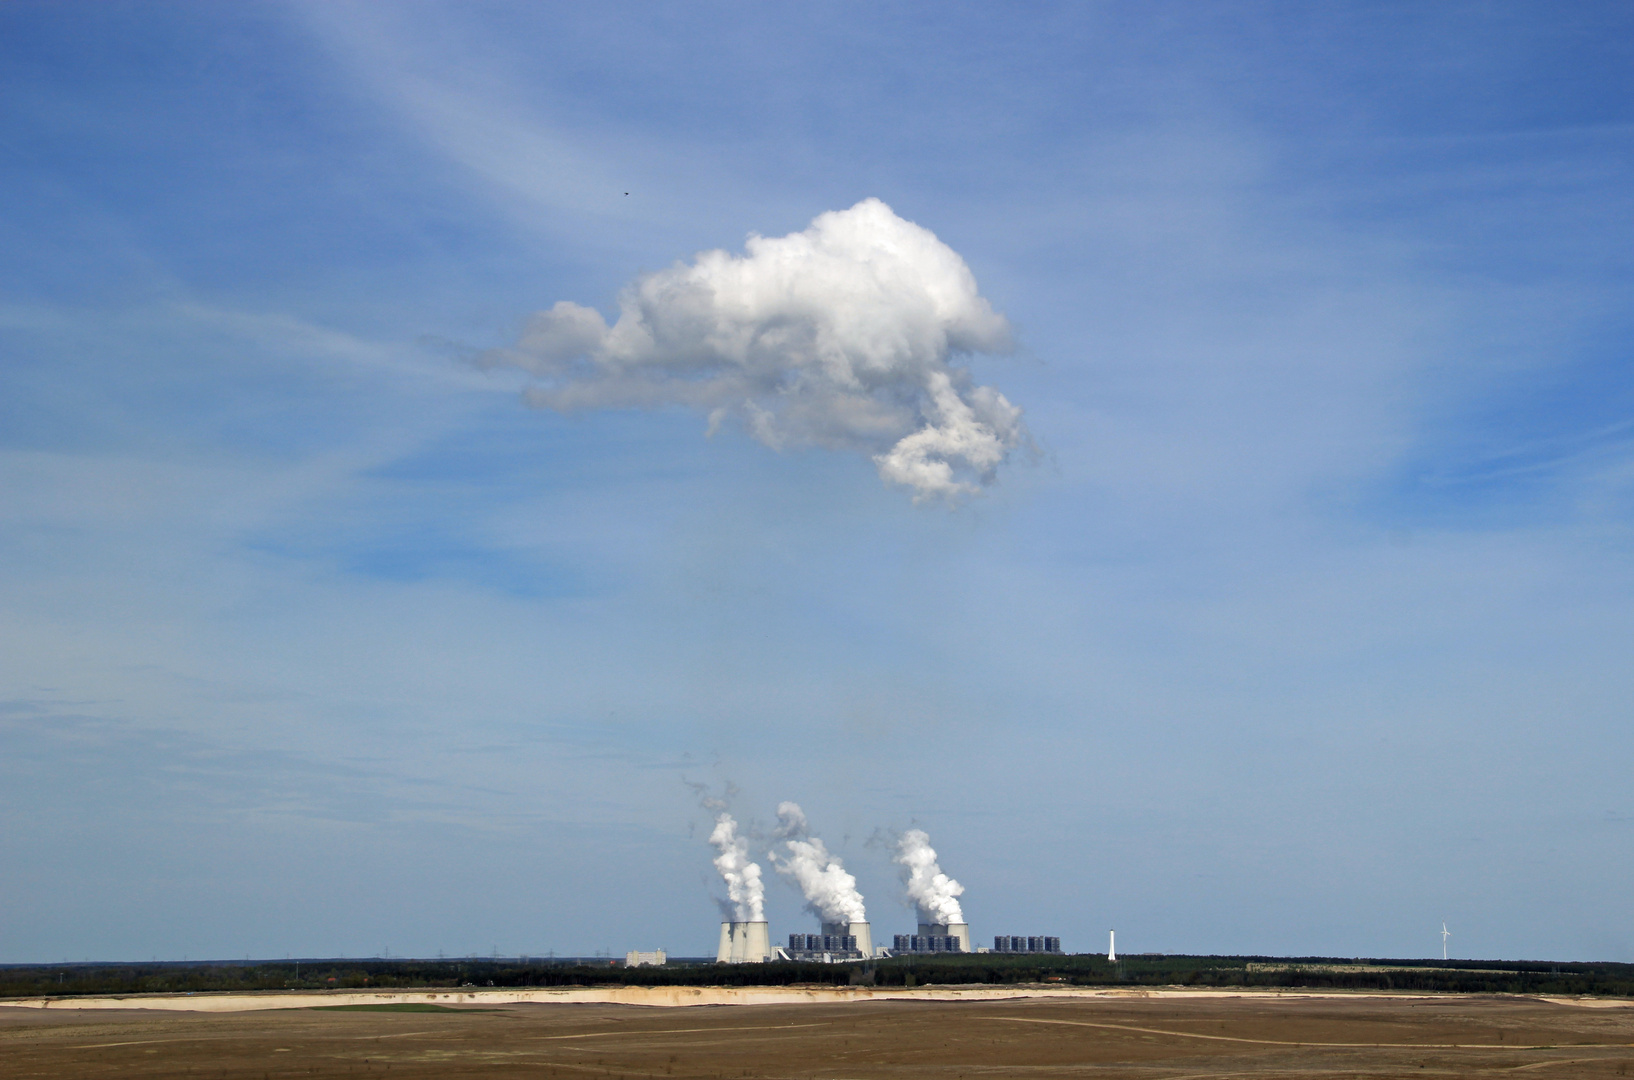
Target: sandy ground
[(679, 996), (656, 996), (832, 1035)]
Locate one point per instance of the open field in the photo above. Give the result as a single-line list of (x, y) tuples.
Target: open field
[(891, 1036)]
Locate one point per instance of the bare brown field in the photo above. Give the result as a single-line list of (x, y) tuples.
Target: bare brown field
[(1192, 1036)]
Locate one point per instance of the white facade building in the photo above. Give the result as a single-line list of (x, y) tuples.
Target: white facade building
[(645, 959)]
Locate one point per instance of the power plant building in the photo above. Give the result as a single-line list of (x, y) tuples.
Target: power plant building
[(936, 938), (925, 943), (823, 947), (744, 943), (838, 941), (1017, 944)]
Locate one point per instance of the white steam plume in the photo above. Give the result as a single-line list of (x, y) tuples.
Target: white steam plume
[(831, 893), (744, 888), (839, 336), (934, 893)]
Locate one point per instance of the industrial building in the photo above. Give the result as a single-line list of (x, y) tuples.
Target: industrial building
[(834, 943), (744, 943), (750, 943), (838, 941), (646, 959), (936, 938), (1016, 944), (823, 947), (925, 943)]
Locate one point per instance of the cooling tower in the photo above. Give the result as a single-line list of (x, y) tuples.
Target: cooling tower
[(958, 930), (858, 930), (744, 943)]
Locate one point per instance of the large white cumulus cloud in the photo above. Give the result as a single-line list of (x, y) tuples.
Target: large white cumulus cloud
[(843, 335)]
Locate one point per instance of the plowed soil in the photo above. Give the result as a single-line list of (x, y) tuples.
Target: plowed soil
[(1153, 1037)]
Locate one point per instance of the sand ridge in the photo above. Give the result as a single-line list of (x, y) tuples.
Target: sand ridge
[(684, 996)]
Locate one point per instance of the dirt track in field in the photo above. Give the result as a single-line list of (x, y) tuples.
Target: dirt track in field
[(1195, 1036)]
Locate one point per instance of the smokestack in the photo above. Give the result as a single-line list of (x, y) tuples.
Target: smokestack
[(744, 943), (1112, 946)]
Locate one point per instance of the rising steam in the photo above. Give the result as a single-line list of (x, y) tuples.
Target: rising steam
[(831, 893), (841, 336), (932, 892), (744, 889)]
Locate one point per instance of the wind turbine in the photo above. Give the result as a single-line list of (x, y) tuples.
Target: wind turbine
[(1444, 936)]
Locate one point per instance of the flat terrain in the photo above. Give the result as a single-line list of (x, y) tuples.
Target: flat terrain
[(1196, 1036)]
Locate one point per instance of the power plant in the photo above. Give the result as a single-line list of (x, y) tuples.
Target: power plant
[(745, 938), (1003, 944), (831, 895), (936, 938), (744, 943), (838, 941)]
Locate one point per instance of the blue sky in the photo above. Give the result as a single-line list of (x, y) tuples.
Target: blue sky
[(1305, 629)]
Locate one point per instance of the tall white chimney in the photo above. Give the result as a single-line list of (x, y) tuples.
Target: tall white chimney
[(757, 943), (744, 943), (1112, 946)]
